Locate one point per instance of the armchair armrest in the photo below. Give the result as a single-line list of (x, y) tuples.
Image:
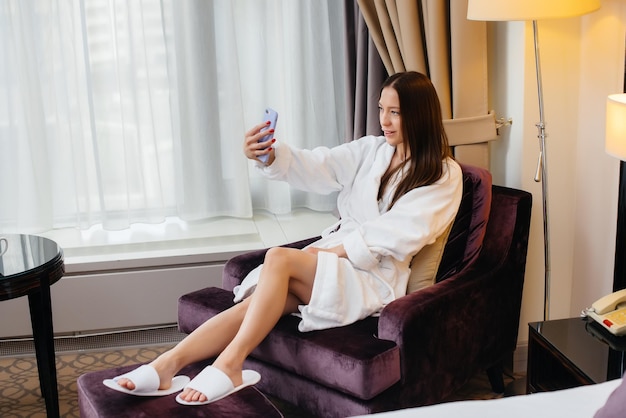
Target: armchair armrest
[(446, 331)]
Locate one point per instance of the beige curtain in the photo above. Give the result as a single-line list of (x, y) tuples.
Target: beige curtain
[(434, 37)]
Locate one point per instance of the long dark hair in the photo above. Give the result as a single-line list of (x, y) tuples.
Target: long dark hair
[(423, 133)]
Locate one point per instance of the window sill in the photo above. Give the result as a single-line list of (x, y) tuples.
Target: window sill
[(174, 242)]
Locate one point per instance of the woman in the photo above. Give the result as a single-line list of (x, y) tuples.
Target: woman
[(396, 194)]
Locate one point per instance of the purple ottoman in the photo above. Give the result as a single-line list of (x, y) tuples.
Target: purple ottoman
[(97, 401)]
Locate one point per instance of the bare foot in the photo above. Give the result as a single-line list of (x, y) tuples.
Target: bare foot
[(165, 372), (192, 395)]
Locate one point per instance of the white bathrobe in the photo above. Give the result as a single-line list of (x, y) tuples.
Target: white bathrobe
[(379, 243)]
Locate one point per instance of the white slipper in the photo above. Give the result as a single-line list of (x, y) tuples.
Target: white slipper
[(215, 384), (147, 382)]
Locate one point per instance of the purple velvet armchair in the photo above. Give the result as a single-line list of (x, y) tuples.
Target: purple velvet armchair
[(424, 345)]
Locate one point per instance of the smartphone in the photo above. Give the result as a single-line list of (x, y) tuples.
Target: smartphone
[(270, 116)]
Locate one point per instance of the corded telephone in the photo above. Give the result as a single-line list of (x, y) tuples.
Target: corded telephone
[(610, 312)]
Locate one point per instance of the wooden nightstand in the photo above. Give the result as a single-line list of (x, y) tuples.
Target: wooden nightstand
[(565, 353)]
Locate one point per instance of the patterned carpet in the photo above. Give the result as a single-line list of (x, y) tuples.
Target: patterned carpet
[(19, 384), (19, 381)]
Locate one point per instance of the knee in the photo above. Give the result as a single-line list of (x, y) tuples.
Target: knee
[(276, 257), (280, 259)]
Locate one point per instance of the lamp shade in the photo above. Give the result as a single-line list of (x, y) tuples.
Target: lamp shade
[(615, 140), (528, 9)]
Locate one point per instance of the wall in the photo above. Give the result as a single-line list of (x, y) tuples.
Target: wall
[(582, 61), (602, 66)]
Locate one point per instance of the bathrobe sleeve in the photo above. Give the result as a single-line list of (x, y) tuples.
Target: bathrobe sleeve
[(321, 170), (415, 220)]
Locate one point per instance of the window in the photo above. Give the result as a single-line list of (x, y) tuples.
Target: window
[(118, 112)]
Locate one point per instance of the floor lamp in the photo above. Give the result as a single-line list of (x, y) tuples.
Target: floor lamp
[(615, 144), (499, 10)]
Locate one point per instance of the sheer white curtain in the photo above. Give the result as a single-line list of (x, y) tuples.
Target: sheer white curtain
[(117, 112)]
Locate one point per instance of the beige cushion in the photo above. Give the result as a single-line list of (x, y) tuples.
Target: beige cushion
[(425, 264)]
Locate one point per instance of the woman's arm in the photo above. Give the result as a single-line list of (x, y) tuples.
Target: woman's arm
[(321, 170)]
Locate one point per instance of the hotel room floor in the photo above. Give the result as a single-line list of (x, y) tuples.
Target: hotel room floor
[(19, 385)]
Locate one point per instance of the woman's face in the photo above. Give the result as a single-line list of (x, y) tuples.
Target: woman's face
[(389, 116)]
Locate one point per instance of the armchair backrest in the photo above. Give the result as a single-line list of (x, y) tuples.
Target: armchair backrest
[(468, 230)]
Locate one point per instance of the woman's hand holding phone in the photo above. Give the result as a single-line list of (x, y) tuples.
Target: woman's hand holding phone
[(258, 140), (270, 119)]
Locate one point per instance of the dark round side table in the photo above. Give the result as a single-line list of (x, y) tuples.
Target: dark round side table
[(29, 266)]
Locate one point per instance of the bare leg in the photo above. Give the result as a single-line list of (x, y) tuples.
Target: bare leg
[(206, 341), (286, 281), (219, 332)]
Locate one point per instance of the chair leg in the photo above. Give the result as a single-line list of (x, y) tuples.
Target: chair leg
[(495, 374)]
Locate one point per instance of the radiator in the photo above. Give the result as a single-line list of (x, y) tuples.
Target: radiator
[(117, 298)]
